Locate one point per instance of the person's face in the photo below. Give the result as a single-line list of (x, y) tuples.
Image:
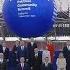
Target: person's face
[(68, 42), (22, 60), (17, 42), (22, 43), (61, 55), (46, 59), (4, 44), (49, 42)]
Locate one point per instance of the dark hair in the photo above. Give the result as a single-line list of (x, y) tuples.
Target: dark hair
[(35, 45), (29, 44), (46, 57)]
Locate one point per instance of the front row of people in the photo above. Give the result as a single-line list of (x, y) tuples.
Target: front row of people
[(24, 65)]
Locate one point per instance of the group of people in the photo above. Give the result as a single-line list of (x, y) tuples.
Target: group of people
[(32, 56)]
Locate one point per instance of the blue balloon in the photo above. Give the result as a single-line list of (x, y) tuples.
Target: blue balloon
[(29, 18)]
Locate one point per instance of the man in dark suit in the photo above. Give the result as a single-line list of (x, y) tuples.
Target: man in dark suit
[(68, 62), (12, 62), (37, 59), (31, 46), (22, 50), (46, 65), (17, 44), (66, 52), (16, 48), (5, 51), (2, 62), (23, 65)]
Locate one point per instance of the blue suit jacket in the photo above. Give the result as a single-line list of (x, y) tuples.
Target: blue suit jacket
[(12, 63), (12, 58), (22, 53)]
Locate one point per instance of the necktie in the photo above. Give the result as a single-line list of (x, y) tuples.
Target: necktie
[(22, 68)]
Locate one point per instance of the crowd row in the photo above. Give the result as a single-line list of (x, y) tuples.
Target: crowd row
[(34, 57)]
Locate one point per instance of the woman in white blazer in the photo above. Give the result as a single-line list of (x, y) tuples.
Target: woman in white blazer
[(61, 62)]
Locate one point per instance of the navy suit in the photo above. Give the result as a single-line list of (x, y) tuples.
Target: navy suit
[(26, 67), (12, 63), (22, 53)]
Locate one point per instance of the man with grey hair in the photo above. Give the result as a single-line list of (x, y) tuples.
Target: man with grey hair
[(23, 65)]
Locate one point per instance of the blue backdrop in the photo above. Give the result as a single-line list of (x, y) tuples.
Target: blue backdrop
[(29, 18)]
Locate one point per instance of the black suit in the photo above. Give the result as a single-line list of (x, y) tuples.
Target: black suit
[(3, 66), (1, 48), (15, 48), (36, 65), (30, 54), (48, 67), (12, 63), (65, 52), (68, 62), (6, 53), (37, 61)]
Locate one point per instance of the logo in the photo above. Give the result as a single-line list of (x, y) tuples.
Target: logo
[(23, 1)]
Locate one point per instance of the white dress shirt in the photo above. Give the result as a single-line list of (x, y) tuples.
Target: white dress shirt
[(4, 49), (36, 51), (1, 60), (46, 64), (22, 47), (22, 64), (68, 48)]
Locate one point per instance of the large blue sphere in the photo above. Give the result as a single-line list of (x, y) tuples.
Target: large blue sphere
[(29, 18)]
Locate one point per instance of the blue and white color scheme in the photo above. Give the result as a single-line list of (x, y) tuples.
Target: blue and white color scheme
[(29, 18)]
